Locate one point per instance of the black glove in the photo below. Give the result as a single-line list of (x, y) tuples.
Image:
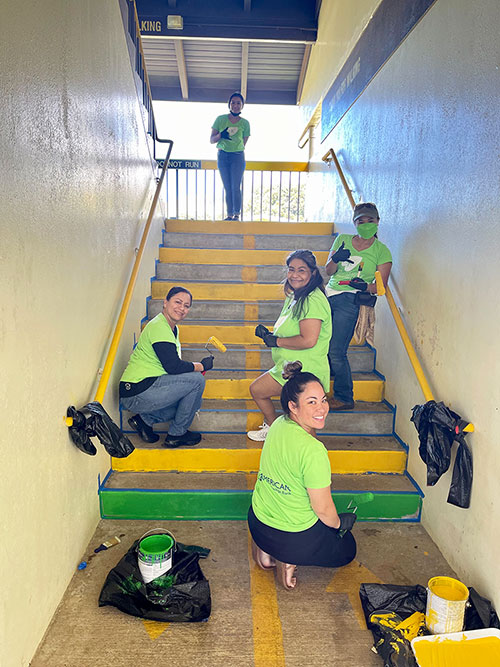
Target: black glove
[(270, 340), (207, 363), (347, 521), (225, 135), (261, 331), (359, 284), (341, 255)]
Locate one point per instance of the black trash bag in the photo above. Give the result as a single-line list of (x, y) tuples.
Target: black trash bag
[(438, 427), (461, 482), (480, 613), (93, 420), (180, 595), (391, 645)]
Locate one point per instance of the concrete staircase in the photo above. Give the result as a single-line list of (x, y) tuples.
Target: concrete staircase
[(233, 270)]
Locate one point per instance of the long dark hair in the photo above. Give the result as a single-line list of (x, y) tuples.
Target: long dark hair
[(296, 382), (176, 290), (316, 280)]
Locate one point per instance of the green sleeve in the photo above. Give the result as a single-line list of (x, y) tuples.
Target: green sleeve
[(384, 255), (316, 307), (317, 472), (160, 332)]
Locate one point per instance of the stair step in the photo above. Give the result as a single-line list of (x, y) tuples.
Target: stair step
[(236, 453), (226, 311), (244, 257), (260, 227), (226, 384), (238, 416), (227, 496), (221, 291), (229, 273), (361, 357), (287, 242)]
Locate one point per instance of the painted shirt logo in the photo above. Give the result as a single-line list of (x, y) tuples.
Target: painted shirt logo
[(277, 486)]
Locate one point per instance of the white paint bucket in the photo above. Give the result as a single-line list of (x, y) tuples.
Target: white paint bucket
[(154, 554), (446, 599)]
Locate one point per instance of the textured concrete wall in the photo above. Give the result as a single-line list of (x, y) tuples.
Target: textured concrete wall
[(77, 182), (423, 143)]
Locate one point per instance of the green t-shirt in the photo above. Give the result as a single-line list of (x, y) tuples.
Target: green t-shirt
[(143, 362), (292, 461), (315, 359), (237, 131), (376, 254)]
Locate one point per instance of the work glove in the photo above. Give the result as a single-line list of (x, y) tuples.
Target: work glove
[(207, 363), (261, 331), (270, 340), (359, 284), (341, 255), (347, 521), (225, 134)]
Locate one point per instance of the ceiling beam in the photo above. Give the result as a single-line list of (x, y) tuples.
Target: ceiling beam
[(244, 68), (303, 70), (247, 4), (181, 68)]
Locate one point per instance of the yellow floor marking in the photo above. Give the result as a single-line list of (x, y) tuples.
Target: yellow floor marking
[(251, 313), (232, 256), (211, 227), (223, 291), (249, 274), (348, 580), (249, 242), (154, 628), (252, 358), (267, 631)]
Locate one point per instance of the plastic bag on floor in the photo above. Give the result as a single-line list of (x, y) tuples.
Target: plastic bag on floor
[(180, 595), (479, 613), (386, 607), (93, 420), (438, 427)]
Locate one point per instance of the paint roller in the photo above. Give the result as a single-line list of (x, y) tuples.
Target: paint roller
[(215, 342), (355, 502)]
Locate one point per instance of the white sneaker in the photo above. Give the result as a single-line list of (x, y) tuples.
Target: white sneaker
[(259, 435)]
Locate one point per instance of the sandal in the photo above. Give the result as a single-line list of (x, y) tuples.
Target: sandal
[(287, 575), (260, 557)]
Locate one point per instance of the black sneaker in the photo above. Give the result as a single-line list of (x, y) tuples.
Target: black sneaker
[(187, 439), (144, 430)]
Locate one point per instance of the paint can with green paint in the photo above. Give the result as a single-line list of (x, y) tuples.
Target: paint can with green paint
[(154, 553)]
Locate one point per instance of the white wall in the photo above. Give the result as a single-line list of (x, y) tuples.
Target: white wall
[(423, 143), (77, 181)]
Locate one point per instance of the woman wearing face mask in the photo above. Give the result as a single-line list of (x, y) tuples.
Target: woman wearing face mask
[(230, 132), (352, 263), (301, 332), (293, 519)]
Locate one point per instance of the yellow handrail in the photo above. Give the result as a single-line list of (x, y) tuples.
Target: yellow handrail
[(422, 380)]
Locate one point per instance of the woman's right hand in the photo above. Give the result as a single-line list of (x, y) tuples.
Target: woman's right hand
[(341, 255), (225, 134)]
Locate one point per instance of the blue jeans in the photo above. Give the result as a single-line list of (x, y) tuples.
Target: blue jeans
[(231, 169), (344, 317), (171, 398)]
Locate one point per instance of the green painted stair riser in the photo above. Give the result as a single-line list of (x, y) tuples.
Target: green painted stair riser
[(192, 505)]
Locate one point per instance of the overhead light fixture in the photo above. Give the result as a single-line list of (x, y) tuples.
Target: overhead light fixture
[(175, 22)]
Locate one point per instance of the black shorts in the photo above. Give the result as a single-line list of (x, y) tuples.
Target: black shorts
[(318, 545)]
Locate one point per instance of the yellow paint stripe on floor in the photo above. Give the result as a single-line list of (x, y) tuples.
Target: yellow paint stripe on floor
[(231, 256), (251, 312), (364, 390), (249, 242), (229, 335), (211, 227), (252, 359), (222, 291), (247, 460), (249, 274), (267, 631)]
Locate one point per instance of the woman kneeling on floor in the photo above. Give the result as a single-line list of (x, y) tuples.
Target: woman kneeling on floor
[(293, 520)]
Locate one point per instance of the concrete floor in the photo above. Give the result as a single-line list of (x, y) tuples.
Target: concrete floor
[(254, 622)]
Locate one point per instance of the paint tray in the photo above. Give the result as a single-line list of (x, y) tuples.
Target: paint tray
[(438, 648)]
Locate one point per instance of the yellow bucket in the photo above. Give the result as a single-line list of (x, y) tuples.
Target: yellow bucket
[(446, 599)]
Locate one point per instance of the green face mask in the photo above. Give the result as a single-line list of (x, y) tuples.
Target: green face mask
[(367, 230)]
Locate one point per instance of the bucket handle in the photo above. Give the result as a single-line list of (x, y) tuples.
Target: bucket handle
[(158, 531)]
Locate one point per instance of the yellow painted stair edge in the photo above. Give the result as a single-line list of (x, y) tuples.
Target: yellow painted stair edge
[(242, 256)]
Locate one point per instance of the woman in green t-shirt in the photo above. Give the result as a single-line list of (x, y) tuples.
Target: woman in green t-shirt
[(352, 263), (230, 132), (302, 332), (293, 520)]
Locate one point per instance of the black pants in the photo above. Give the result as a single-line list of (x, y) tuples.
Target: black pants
[(319, 545)]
